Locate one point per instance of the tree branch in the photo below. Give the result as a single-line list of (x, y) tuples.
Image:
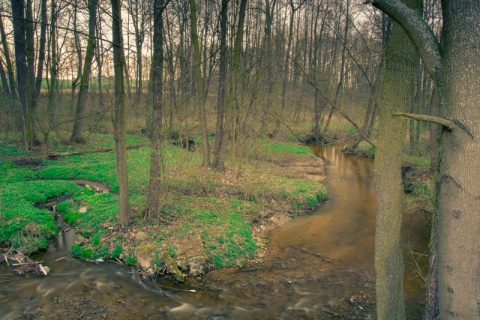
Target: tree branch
[(417, 30), (425, 117)]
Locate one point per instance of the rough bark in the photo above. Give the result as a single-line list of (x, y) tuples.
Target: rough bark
[(18, 14), (454, 277), (434, 130), (19, 34), (119, 114), (400, 65), (458, 209), (156, 157)]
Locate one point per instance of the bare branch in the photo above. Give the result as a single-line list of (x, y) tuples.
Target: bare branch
[(417, 30), (425, 117)]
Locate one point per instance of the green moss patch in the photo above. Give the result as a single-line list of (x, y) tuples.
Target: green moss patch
[(22, 225), (286, 148), (220, 207)]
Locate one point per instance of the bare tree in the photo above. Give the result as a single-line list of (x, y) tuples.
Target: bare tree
[(25, 86), (156, 157), (119, 111), (219, 151), (41, 46), (77, 131), (200, 84), (8, 60)]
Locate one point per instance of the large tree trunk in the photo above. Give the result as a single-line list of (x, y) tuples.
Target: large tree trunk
[(400, 64), (120, 120), (77, 131), (19, 34), (156, 158), (454, 278), (458, 205)]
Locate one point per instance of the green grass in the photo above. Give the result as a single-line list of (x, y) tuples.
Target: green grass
[(224, 227), (421, 162), (220, 207), (303, 194), (10, 172), (286, 148), (22, 225), (367, 149), (9, 149)]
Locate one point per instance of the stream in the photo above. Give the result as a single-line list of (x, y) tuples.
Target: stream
[(319, 266)]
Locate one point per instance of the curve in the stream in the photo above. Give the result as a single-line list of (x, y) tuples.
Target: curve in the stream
[(319, 266)]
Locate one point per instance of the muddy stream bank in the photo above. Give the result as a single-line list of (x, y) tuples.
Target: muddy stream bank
[(319, 266)]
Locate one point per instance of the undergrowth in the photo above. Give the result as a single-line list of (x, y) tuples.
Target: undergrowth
[(219, 207)]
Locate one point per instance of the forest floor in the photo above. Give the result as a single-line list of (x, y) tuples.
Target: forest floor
[(226, 214), (222, 211)]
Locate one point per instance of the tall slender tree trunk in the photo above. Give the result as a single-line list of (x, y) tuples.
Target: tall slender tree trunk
[(3, 75), (99, 61), (219, 155), (434, 129), (457, 218), (52, 80), (200, 88), (400, 65), (30, 52), (77, 132), (156, 157), (79, 53), (369, 119), (268, 61), (315, 51), (342, 67), (286, 68), (119, 114), (19, 34), (8, 60), (232, 104), (41, 47)]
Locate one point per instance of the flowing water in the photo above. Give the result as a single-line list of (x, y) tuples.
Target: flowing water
[(319, 266)]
